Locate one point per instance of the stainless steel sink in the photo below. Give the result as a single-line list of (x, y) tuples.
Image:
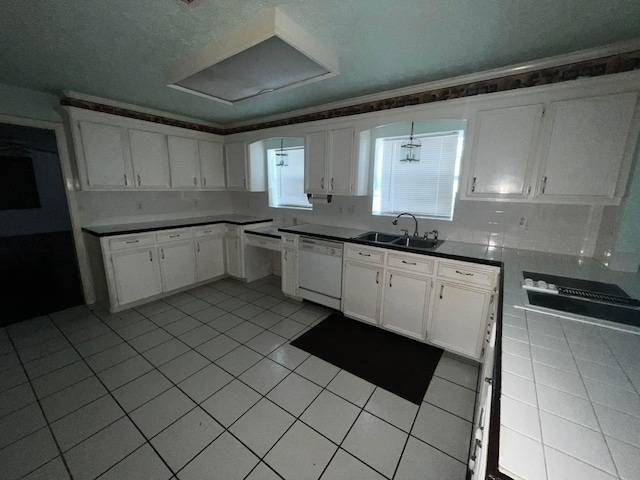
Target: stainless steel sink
[(418, 242), (379, 237)]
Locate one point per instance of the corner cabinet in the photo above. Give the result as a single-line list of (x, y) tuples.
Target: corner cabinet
[(502, 152), (586, 141), (332, 165), (560, 147), (244, 172)]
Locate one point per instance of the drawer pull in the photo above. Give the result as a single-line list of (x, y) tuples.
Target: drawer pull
[(390, 278), (408, 263), (132, 241), (263, 243), (206, 231), (441, 290), (464, 273), (377, 278), (364, 254), (174, 236)]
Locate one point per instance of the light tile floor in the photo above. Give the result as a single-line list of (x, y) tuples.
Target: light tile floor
[(205, 385)]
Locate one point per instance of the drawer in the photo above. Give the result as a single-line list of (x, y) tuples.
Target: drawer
[(174, 235), (208, 230), (467, 273), (131, 242), (289, 241), (412, 263), (364, 254), (263, 242)]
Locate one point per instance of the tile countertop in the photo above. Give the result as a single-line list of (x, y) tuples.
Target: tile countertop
[(569, 402), (137, 227)]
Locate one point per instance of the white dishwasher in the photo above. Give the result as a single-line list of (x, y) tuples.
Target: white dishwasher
[(320, 271)]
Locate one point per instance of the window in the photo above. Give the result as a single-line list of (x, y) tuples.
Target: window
[(286, 177), (426, 188)]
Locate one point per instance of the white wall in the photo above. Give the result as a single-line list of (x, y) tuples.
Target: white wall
[(570, 229)]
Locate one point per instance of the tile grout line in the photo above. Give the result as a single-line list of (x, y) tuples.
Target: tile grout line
[(55, 440)]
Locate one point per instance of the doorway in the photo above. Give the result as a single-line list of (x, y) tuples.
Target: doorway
[(38, 262)]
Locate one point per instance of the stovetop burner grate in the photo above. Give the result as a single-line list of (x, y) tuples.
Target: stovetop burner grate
[(600, 297)]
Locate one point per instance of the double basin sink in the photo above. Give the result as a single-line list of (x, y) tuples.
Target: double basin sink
[(419, 243)]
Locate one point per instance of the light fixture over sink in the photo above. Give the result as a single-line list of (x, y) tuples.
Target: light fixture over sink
[(270, 54), (410, 148)]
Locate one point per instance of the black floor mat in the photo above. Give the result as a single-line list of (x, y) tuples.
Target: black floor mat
[(398, 364)]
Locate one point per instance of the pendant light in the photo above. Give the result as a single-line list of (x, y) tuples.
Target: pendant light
[(410, 149), (281, 155)]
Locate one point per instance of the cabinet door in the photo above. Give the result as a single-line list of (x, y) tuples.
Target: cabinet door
[(459, 318), (136, 275), (405, 304), (502, 152), (211, 165), (289, 272), (233, 253), (236, 163), (184, 161), (150, 159), (105, 156), (586, 147), (177, 265), (341, 161), (209, 257), (362, 291), (315, 171)]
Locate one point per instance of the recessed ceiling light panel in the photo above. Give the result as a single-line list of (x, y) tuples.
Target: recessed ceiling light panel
[(268, 55)]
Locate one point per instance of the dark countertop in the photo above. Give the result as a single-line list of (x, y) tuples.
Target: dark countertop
[(139, 227)]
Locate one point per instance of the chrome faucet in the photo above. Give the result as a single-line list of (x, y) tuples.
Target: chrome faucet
[(395, 222)]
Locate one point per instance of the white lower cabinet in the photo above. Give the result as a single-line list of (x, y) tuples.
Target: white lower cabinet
[(362, 291), (177, 265), (460, 315), (136, 274), (406, 303), (234, 256), (289, 259), (209, 257)]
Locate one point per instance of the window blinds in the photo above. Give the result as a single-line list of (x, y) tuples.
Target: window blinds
[(426, 188)]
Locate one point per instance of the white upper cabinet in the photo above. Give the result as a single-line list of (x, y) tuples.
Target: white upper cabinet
[(235, 158), (211, 165), (331, 165), (150, 159), (185, 162), (106, 162), (246, 168), (586, 141), (502, 152)]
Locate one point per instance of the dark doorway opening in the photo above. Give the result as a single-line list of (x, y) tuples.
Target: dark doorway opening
[(38, 264)]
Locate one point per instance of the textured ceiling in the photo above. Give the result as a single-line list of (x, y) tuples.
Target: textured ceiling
[(123, 50)]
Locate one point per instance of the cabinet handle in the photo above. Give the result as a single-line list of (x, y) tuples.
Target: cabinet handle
[(491, 301), (285, 255), (204, 181), (206, 231), (263, 243), (408, 263), (150, 256), (464, 273), (244, 182), (162, 252), (441, 290), (364, 254), (198, 246), (139, 181), (473, 185), (132, 241), (322, 183), (390, 278), (126, 182), (544, 185), (195, 181), (529, 190), (377, 278), (331, 183), (174, 236)]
